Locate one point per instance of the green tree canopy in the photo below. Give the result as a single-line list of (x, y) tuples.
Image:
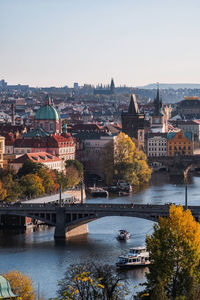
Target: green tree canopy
[(32, 185), (174, 250), (29, 167)]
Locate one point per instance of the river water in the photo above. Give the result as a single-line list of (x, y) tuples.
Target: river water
[(36, 253)]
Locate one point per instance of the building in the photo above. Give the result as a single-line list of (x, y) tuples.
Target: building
[(156, 144), (133, 122), (48, 118), (48, 160), (108, 90), (180, 143), (62, 146), (5, 289), (189, 108), (2, 151), (91, 150), (158, 121), (189, 126)]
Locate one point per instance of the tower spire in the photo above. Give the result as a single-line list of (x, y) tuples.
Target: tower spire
[(133, 106)]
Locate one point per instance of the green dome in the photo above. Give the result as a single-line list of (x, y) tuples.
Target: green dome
[(5, 289), (47, 112)]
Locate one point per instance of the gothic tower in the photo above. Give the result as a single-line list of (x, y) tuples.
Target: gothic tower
[(112, 86), (158, 120), (133, 122)]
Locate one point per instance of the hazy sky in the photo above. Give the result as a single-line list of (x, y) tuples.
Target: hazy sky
[(58, 42)]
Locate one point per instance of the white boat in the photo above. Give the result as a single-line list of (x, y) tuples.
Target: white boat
[(123, 235), (137, 257)]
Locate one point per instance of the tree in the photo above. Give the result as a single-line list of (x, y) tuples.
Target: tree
[(174, 250), (12, 187), (124, 161), (48, 179), (29, 167), (77, 165), (72, 177), (32, 185), (3, 192), (21, 285), (92, 282)]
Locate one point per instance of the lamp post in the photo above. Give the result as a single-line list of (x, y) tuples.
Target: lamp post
[(186, 198), (82, 191), (60, 198)]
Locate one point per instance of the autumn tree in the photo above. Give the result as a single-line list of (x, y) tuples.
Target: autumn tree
[(92, 282), (21, 285), (72, 177), (3, 192), (32, 185), (48, 179), (126, 162), (77, 165), (13, 189), (174, 250)]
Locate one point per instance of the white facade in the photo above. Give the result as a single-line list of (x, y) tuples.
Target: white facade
[(157, 146)]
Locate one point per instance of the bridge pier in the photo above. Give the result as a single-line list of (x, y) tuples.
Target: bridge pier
[(60, 223)]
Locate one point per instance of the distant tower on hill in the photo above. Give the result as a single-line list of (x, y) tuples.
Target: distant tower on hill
[(112, 86), (133, 122)]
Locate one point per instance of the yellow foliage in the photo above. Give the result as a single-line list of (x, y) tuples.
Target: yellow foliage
[(183, 223), (3, 192), (21, 285), (124, 149)]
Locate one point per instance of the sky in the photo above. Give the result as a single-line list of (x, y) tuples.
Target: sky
[(59, 42)]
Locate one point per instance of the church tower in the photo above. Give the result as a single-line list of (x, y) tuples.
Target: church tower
[(112, 86), (133, 122), (158, 120)]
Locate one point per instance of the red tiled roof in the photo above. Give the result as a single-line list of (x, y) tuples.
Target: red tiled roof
[(38, 157)]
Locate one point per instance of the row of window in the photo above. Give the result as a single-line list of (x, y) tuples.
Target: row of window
[(158, 144), (158, 149)]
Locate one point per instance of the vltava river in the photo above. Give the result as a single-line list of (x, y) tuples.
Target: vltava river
[(36, 253)]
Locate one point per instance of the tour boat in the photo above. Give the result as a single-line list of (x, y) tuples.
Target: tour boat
[(137, 257), (123, 235)]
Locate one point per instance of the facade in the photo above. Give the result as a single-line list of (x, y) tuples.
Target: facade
[(189, 126), (48, 118), (91, 150), (133, 122), (48, 160), (62, 146), (180, 143), (157, 144), (2, 150), (189, 107)]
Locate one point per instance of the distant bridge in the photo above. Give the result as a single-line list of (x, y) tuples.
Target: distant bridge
[(178, 165), (71, 216)]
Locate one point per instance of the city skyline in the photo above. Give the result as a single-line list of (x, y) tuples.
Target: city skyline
[(57, 43)]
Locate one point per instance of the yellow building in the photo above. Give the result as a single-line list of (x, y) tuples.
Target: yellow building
[(2, 147), (180, 143)]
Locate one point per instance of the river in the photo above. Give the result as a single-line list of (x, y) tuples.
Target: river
[(36, 253)]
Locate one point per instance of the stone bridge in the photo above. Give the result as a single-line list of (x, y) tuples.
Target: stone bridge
[(71, 216), (177, 165)]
